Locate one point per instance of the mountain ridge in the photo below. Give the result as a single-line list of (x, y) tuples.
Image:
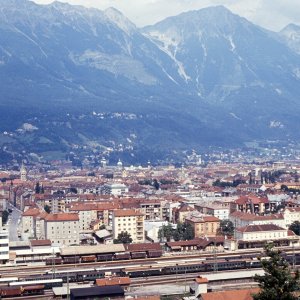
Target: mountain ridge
[(206, 77)]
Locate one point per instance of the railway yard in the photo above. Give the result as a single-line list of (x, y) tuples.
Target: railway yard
[(39, 280)]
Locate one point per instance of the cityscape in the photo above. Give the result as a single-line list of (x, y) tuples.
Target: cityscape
[(149, 150), (154, 231)]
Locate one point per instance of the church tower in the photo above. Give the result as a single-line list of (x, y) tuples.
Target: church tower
[(23, 173)]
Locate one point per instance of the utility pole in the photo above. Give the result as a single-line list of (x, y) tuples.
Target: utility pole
[(53, 264), (215, 257), (294, 258), (68, 287)]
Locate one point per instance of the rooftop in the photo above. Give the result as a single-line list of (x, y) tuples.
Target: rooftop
[(62, 217), (113, 281), (230, 295), (263, 227), (127, 213), (82, 250)]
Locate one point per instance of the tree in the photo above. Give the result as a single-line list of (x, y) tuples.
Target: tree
[(37, 188), (47, 209), (5, 215), (123, 238), (165, 232), (156, 184), (226, 228), (295, 227), (277, 283), (183, 232)]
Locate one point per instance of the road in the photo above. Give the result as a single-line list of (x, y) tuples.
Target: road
[(14, 219)]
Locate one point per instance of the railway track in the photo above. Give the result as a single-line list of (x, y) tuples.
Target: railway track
[(21, 271)]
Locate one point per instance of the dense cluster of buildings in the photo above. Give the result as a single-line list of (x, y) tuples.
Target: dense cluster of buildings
[(86, 207)]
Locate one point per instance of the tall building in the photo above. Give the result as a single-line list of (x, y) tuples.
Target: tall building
[(62, 229), (4, 245), (23, 173), (130, 221)]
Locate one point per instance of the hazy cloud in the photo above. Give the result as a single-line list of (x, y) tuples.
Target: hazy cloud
[(271, 14)]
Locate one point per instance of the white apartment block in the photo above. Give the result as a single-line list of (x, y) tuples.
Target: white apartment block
[(62, 229), (131, 221), (4, 245), (291, 215), (115, 189)]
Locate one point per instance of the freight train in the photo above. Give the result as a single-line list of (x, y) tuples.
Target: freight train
[(75, 259)]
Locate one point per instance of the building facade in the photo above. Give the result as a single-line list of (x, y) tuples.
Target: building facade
[(62, 229), (130, 221)]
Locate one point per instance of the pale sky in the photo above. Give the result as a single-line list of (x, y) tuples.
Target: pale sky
[(270, 14)]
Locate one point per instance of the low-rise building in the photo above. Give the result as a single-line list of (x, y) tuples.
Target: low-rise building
[(256, 236), (240, 219), (204, 225)]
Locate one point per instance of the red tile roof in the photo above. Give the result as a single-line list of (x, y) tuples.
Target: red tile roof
[(35, 243), (127, 213), (31, 212), (63, 217), (255, 228), (231, 295), (143, 247), (247, 216), (200, 280), (113, 281)]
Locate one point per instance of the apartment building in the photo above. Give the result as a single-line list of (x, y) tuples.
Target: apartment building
[(62, 229), (291, 215), (4, 245), (29, 223), (87, 213), (218, 209), (251, 204), (91, 212), (152, 210), (116, 189), (131, 221)]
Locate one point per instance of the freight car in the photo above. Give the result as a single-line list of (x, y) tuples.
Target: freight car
[(71, 260), (33, 290), (136, 255), (54, 261), (12, 292), (88, 258)]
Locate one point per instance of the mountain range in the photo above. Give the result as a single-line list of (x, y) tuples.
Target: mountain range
[(76, 79)]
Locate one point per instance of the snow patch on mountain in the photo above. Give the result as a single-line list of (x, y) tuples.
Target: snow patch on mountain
[(235, 116), (170, 44)]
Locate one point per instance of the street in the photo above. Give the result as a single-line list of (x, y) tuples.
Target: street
[(13, 222)]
